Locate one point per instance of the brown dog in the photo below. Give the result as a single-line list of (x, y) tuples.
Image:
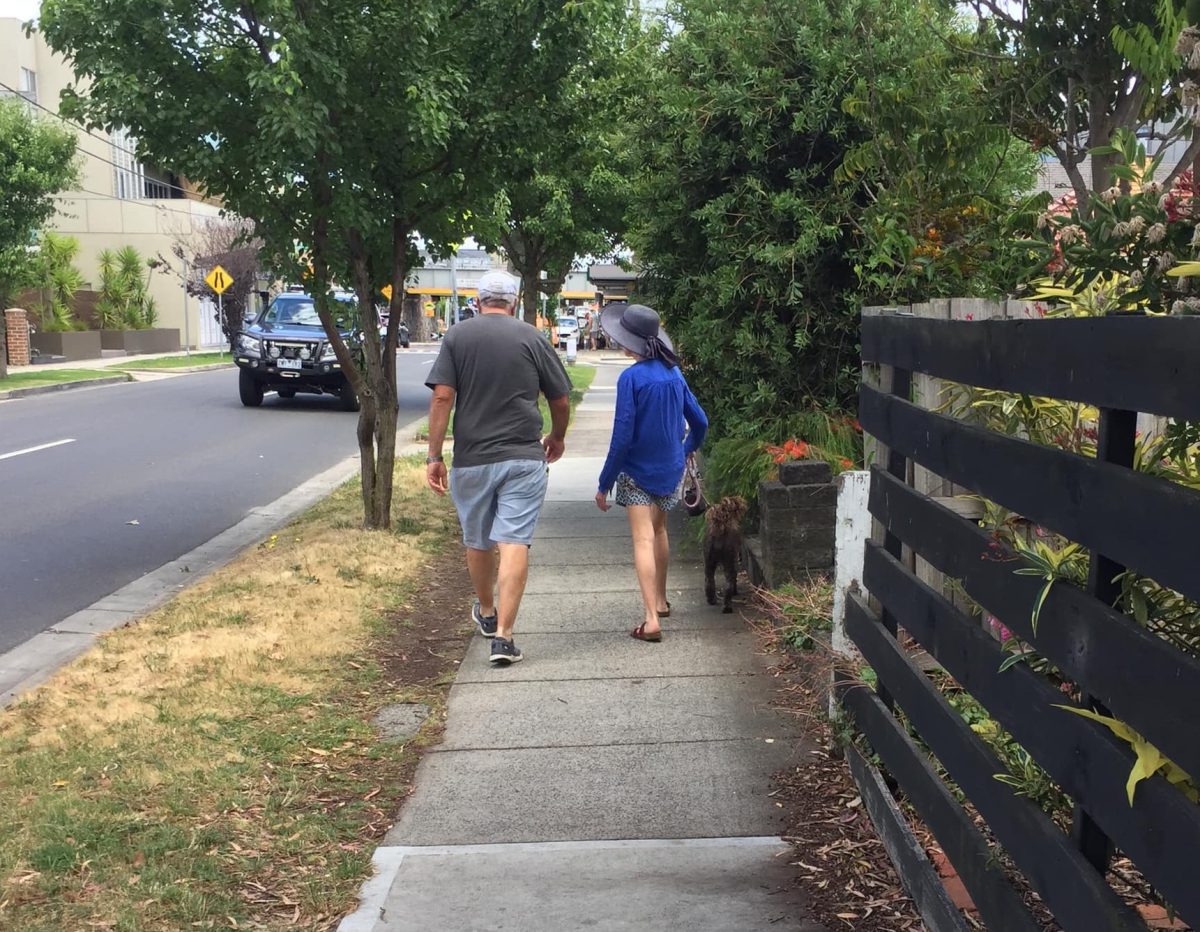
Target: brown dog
[(723, 546)]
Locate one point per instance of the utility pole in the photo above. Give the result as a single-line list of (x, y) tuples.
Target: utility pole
[(187, 339), (452, 310)]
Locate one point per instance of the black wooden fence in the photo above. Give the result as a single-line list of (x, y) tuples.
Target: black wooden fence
[(1122, 365)]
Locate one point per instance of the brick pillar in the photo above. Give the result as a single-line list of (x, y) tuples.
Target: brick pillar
[(796, 529), (16, 324)]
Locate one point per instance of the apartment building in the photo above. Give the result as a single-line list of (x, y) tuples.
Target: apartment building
[(119, 201)]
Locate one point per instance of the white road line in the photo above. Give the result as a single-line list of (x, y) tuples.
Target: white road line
[(43, 446)]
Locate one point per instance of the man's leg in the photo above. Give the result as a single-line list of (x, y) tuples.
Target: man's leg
[(518, 503), (481, 564), (471, 488), (514, 572)]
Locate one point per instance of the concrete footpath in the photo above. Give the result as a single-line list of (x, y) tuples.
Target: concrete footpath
[(603, 783)]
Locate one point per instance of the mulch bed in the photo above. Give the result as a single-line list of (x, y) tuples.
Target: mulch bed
[(430, 634), (841, 865), (419, 656)]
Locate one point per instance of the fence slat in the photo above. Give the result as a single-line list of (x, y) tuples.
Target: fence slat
[(1134, 363), (1160, 832), (1138, 520), (1143, 679), (1078, 896), (995, 898), (916, 872)]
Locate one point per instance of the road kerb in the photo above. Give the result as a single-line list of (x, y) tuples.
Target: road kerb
[(14, 393)]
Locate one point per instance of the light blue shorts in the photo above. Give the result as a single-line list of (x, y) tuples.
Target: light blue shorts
[(499, 503)]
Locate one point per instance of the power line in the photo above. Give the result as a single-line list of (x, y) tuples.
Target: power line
[(145, 202), (190, 195)]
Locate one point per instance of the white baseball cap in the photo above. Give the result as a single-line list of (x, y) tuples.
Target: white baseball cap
[(497, 284)]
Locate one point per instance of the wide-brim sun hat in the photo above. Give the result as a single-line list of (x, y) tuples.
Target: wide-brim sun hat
[(633, 326)]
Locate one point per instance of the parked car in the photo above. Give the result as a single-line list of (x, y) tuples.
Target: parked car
[(284, 349), (566, 328)]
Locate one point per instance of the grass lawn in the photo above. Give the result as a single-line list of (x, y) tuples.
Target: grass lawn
[(215, 764), (36, 379), (175, 362)]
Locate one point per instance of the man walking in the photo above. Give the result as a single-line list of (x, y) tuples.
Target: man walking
[(490, 370)]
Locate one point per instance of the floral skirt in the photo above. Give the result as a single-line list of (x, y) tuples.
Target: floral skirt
[(629, 492)]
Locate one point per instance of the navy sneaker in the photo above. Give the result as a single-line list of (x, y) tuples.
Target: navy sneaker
[(505, 652), (485, 623)]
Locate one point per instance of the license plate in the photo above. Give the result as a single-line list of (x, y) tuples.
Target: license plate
[(288, 363)]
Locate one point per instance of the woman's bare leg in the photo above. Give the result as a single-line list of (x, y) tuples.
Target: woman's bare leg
[(662, 559), (641, 528)]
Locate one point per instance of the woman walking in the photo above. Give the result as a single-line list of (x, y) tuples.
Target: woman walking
[(649, 448)]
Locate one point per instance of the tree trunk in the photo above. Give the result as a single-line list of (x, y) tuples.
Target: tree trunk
[(529, 301), (1100, 132), (379, 403)]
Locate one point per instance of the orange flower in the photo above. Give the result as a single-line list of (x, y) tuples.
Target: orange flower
[(846, 464)]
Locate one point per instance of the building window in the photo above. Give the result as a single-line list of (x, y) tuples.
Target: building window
[(129, 178), (28, 86)]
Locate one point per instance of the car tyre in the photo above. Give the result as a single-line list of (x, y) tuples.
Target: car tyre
[(349, 399), (250, 389), (287, 393)]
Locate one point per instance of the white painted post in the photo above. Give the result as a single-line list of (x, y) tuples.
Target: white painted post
[(851, 531)]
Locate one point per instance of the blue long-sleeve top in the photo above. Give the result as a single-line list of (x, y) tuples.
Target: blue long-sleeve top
[(648, 441)]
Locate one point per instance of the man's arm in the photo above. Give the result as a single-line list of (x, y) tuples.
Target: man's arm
[(560, 417), (439, 419)]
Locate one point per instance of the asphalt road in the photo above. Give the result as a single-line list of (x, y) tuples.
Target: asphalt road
[(180, 456)]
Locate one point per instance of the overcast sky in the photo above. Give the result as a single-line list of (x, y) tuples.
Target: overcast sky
[(22, 9)]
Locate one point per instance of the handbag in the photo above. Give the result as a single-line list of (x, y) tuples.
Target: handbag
[(694, 502)]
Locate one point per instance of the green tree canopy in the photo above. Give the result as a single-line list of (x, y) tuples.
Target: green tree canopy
[(940, 165), (793, 155), (1072, 72), (566, 189), (341, 129), (37, 160)]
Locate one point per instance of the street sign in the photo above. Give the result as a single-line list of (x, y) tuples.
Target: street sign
[(218, 280), (386, 290)]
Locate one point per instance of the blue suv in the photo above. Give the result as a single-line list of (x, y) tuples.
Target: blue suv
[(284, 349)]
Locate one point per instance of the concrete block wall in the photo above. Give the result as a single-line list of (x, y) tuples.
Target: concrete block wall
[(798, 521), (16, 325)]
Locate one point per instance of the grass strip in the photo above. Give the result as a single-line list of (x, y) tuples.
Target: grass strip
[(176, 362), (215, 765), (37, 379)]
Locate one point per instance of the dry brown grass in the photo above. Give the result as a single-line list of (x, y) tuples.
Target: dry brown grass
[(215, 760), (287, 614)]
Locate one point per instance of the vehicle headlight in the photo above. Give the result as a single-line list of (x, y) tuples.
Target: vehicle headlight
[(249, 345), (274, 352), (328, 353)]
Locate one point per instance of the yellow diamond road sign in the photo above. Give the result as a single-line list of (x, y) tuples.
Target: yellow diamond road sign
[(218, 280), (386, 290)]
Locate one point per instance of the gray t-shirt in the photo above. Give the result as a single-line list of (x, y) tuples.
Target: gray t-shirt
[(497, 365)]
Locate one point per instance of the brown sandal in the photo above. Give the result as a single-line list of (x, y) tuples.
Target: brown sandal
[(641, 634), (667, 613)]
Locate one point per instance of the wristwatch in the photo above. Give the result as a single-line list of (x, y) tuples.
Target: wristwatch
[(433, 459)]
